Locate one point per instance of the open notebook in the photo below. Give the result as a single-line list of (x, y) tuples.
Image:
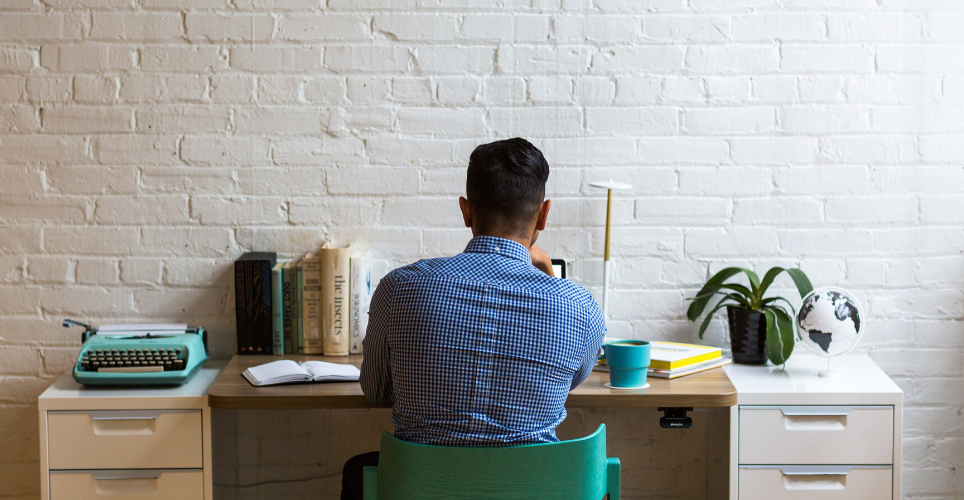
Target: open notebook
[(286, 371)]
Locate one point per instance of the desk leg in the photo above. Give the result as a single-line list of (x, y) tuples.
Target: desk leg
[(207, 459), (44, 469), (734, 452), (898, 449)]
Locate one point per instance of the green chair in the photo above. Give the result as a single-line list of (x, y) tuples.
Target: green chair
[(570, 470)]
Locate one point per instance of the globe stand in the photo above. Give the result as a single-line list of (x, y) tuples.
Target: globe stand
[(830, 315), (832, 375)]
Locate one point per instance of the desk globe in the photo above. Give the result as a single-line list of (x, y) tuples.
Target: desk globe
[(829, 323)]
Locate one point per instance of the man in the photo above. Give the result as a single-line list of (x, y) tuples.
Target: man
[(481, 349)]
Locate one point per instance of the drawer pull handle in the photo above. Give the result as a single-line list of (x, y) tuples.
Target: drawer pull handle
[(125, 415), (814, 470), (117, 474), (123, 418), (121, 475), (815, 473), (798, 413), (816, 411)]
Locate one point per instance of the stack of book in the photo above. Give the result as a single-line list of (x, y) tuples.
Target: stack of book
[(671, 360), (317, 304)]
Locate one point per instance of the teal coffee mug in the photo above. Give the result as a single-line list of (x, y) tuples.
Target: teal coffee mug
[(627, 361)]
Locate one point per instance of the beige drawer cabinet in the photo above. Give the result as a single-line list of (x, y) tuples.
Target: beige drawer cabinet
[(131, 443), (797, 436)]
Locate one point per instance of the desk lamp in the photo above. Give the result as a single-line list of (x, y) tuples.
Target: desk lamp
[(608, 186)]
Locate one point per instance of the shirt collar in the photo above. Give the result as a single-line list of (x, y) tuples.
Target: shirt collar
[(501, 246)]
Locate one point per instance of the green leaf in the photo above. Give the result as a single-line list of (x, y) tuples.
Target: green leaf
[(771, 300), (754, 279), (800, 279), (785, 324), (739, 299), (706, 321), (776, 307), (774, 343), (768, 280), (736, 287), (706, 293), (713, 285)]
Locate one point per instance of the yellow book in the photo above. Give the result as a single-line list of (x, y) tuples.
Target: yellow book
[(671, 355), (311, 304), (335, 273)]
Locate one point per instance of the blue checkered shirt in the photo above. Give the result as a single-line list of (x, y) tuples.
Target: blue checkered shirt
[(479, 349)]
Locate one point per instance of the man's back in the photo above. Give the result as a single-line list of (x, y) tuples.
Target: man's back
[(479, 349)]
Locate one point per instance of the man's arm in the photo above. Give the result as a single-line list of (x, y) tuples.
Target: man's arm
[(376, 380), (541, 260), (595, 334)]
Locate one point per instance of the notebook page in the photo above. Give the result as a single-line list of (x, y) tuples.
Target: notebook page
[(322, 370), (276, 372)]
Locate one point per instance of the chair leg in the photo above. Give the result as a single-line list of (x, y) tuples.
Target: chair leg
[(371, 483), (612, 478)]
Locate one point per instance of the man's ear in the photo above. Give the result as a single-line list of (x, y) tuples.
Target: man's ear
[(543, 215), (466, 211)]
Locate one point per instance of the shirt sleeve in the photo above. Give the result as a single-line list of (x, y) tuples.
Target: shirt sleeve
[(595, 333), (376, 380)]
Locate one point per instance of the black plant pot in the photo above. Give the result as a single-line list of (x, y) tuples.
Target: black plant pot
[(748, 336)]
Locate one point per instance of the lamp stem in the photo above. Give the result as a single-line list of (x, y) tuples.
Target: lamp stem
[(609, 213), (605, 304)]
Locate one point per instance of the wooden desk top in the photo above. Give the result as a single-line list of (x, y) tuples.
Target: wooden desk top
[(231, 391)]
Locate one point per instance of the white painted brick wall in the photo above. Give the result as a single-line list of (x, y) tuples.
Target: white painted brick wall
[(144, 144)]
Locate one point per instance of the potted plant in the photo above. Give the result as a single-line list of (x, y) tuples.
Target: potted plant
[(760, 327)]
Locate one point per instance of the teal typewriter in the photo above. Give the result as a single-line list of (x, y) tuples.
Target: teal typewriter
[(139, 355)]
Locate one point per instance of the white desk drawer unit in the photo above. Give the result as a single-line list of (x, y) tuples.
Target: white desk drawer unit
[(808, 482), (164, 484), (131, 439), (149, 443), (816, 434), (797, 436)]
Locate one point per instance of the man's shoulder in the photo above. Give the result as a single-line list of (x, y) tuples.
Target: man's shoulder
[(419, 268), (507, 274), (568, 290), (425, 267)]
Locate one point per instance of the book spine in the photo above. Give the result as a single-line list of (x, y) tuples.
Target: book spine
[(361, 293), (312, 312), (264, 312), (286, 317), (298, 310), (251, 281), (250, 311), (336, 269), (277, 311), (240, 306)]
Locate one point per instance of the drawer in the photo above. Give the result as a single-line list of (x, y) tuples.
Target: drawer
[(127, 485), (124, 439), (816, 435), (807, 482)]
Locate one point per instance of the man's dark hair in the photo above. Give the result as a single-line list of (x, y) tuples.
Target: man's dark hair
[(506, 184)]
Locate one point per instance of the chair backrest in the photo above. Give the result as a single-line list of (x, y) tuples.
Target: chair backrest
[(571, 470)]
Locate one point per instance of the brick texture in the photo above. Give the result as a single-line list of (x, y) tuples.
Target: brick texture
[(145, 144)]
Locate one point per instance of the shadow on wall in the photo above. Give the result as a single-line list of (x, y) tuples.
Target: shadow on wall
[(222, 325)]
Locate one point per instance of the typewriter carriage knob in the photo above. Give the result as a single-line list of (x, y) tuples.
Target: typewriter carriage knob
[(88, 331)]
